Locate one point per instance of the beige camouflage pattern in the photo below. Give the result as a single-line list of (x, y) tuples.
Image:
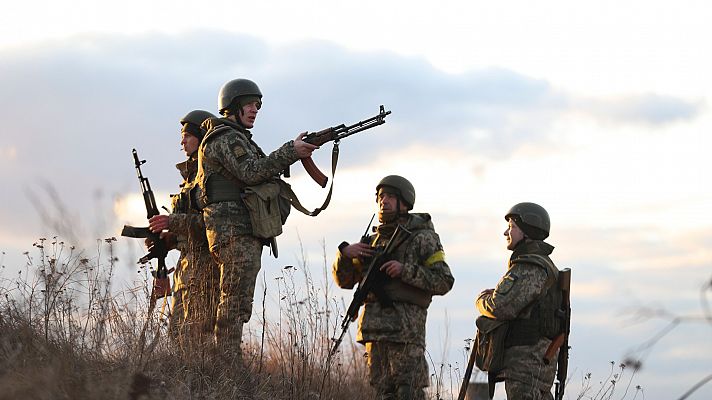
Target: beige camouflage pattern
[(196, 278), (397, 370), (404, 323), (239, 261), (228, 150), (525, 374)]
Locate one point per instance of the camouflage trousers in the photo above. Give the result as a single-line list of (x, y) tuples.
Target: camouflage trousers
[(525, 374), (398, 371), (177, 318), (517, 390), (200, 298), (238, 258)]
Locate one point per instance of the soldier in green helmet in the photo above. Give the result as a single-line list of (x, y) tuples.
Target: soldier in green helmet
[(525, 299), (230, 166), (394, 334), (196, 278)]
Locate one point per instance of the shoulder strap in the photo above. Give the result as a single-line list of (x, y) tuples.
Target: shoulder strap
[(294, 200), (543, 262)]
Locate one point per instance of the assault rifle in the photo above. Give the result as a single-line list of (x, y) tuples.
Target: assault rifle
[(335, 134), (561, 341), (158, 248), (372, 281)]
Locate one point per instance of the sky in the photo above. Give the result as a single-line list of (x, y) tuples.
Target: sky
[(600, 112)]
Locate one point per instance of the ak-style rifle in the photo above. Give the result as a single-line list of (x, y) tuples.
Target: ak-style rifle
[(561, 341), (158, 248), (372, 281), (335, 134)]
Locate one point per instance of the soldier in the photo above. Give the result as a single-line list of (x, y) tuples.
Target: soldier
[(196, 278), (395, 336), (229, 163), (525, 298)]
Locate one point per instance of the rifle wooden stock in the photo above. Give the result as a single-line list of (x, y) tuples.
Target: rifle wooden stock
[(314, 171), (551, 350), (563, 360)]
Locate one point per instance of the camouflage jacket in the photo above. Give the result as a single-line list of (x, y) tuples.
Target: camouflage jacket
[(186, 222), (228, 152), (520, 287), (425, 273)]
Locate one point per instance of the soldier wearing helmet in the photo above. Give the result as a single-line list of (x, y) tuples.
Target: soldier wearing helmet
[(195, 279), (525, 300), (394, 334), (229, 161)]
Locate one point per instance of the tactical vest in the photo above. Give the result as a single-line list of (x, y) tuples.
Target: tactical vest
[(398, 291), (544, 319), (268, 209)]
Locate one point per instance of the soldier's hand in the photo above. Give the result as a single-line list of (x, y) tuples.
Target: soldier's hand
[(486, 292), (303, 149), (357, 250), (158, 223), (392, 268)]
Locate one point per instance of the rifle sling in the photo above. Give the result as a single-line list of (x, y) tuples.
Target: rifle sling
[(225, 187), (294, 200)]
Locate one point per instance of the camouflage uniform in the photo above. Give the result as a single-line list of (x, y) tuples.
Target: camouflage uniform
[(395, 337), (525, 374), (196, 279), (230, 160)]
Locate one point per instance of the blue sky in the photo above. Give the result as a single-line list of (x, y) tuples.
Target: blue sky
[(599, 112)]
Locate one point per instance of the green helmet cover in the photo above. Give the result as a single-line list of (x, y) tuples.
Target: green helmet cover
[(531, 215), (196, 117), (403, 187), (234, 89)]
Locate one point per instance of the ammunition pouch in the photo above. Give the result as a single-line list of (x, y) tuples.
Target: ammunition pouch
[(490, 344), (262, 202), (267, 203), (400, 292)]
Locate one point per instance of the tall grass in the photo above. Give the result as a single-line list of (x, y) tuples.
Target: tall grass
[(64, 333)]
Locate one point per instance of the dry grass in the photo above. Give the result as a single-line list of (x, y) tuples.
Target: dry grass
[(65, 334)]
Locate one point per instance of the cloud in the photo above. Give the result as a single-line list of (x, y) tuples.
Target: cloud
[(473, 143), (648, 109)]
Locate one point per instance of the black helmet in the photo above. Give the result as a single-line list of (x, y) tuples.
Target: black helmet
[(192, 121), (405, 189), (234, 89), (532, 219)]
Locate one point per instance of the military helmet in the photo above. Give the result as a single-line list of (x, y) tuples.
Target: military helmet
[(531, 218), (196, 117), (234, 89), (405, 189), (192, 121)]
